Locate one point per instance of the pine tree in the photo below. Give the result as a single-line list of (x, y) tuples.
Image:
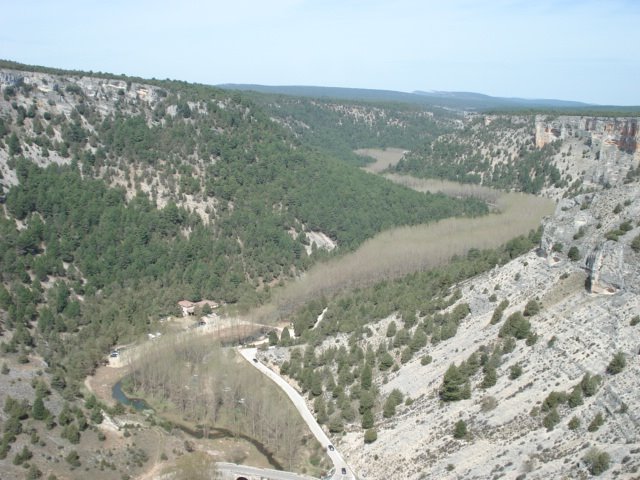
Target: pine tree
[(38, 411), (316, 384), (285, 336), (490, 377), (391, 329), (455, 385), (96, 415), (389, 409), (367, 419), (366, 377)]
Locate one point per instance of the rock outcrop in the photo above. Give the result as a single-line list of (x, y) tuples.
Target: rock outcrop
[(611, 142), (605, 266)]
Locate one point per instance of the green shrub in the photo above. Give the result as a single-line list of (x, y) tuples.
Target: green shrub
[(370, 435), (551, 419), (426, 360), (613, 235), (553, 400), (617, 364), (488, 403), (596, 423), (406, 355), (22, 456), (626, 226), (515, 325), (508, 345), (590, 384), (531, 308), (460, 429), (497, 316), (389, 408), (575, 397), (73, 458), (574, 423), (574, 254), (597, 461), (34, 473)]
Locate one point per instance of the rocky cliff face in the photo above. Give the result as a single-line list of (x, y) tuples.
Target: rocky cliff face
[(621, 132), (607, 147), (588, 303), (600, 225)]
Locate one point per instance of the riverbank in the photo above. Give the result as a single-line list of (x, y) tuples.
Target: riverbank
[(101, 383)]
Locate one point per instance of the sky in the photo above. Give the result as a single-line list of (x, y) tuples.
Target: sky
[(584, 50)]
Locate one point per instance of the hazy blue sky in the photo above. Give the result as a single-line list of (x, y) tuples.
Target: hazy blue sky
[(584, 50)]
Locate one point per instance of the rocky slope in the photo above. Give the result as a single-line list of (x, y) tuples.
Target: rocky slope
[(543, 154), (587, 315), (596, 151), (42, 103)]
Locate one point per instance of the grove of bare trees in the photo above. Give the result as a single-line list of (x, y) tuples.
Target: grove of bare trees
[(214, 387)]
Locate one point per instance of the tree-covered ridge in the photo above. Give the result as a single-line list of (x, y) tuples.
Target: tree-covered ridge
[(340, 127), (109, 240), (498, 153), (217, 152)]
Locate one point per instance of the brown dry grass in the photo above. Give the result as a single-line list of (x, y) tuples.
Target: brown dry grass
[(452, 189), (400, 251), (383, 158)]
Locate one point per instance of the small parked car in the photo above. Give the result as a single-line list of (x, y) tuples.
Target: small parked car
[(114, 354), (343, 471)]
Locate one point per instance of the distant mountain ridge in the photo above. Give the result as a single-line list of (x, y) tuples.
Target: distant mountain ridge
[(480, 98), (455, 100)]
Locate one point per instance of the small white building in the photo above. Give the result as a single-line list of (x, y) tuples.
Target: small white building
[(189, 308)]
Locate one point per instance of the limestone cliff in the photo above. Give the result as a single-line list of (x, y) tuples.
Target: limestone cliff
[(612, 143)]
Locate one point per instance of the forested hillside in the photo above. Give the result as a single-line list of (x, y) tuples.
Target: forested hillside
[(498, 152), (342, 126), (123, 197)]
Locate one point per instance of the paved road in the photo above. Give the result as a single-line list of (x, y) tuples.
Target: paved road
[(338, 462), (231, 470)]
